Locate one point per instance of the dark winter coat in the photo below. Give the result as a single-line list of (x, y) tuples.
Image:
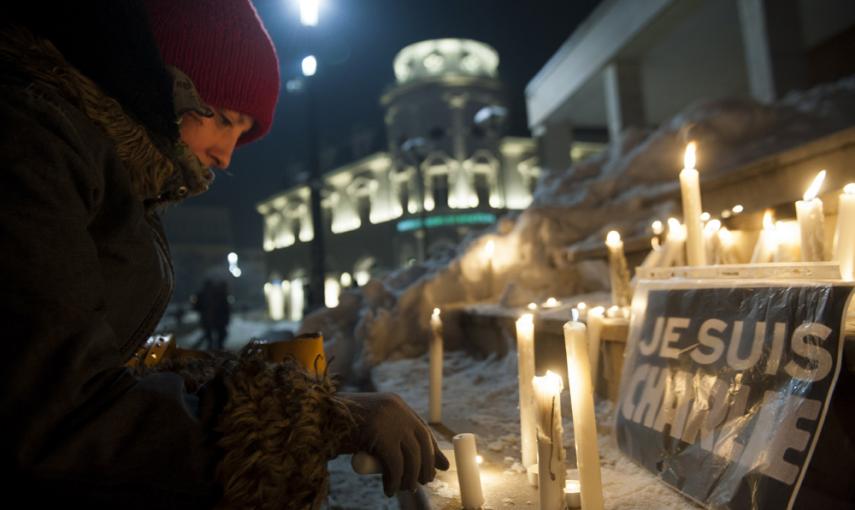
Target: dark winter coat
[(90, 153)]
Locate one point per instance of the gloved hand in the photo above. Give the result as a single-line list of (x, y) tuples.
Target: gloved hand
[(388, 429)]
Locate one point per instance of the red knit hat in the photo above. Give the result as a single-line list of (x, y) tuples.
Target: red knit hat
[(224, 48)]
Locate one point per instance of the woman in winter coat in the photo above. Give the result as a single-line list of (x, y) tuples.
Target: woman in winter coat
[(110, 111)]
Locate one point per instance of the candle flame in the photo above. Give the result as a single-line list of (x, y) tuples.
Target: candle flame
[(813, 190), (581, 305), (690, 156), (657, 227), (712, 227), (738, 208), (788, 232), (705, 216), (526, 320), (490, 248), (435, 314), (548, 384), (597, 311), (574, 315), (532, 306), (613, 237), (614, 311), (479, 459), (551, 303), (849, 189), (572, 486), (727, 213), (768, 220)]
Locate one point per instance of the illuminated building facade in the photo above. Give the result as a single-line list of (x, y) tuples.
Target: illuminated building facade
[(447, 170)]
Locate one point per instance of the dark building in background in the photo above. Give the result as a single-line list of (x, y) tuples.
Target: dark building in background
[(448, 169)]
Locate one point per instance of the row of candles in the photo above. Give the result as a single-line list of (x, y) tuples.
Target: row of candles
[(703, 240), (540, 412)]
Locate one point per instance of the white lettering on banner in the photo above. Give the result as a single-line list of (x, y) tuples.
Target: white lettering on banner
[(646, 349), (713, 342), (810, 350), (806, 342), (703, 409), (671, 336)]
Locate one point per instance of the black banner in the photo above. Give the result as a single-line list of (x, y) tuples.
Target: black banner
[(724, 390)]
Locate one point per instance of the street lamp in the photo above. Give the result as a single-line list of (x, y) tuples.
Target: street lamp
[(309, 12), (415, 151)]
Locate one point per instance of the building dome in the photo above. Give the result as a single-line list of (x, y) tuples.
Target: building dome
[(443, 57)]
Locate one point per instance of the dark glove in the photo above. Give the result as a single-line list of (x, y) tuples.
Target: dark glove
[(388, 429)]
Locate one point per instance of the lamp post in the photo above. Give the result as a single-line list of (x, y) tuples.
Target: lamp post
[(309, 66), (415, 151)]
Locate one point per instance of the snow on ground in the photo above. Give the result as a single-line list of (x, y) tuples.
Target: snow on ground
[(480, 396)]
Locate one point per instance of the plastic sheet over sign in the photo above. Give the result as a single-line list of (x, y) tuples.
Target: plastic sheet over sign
[(726, 384)]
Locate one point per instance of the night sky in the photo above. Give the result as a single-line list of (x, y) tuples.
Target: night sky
[(356, 42)]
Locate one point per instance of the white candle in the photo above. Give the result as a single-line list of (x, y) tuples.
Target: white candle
[(673, 252), (712, 247), (844, 237), (595, 328), (525, 365), (435, 395), (811, 222), (728, 248), (584, 419), (618, 271), (690, 189), (767, 242), (655, 256), (551, 303), (582, 310), (550, 448), (571, 494), (468, 474), (787, 241), (489, 250)]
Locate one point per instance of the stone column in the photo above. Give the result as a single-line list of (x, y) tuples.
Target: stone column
[(624, 99)]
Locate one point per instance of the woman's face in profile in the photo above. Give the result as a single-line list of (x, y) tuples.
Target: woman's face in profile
[(213, 139)]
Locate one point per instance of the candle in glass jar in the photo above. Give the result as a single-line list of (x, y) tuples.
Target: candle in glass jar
[(811, 222), (468, 474), (690, 189), (844, 237), (525, 365), (550, 448), (584, 419), (435, 394), (618, 271)]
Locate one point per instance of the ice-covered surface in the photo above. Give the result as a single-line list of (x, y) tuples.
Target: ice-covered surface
[(480, 396), (573, 208)]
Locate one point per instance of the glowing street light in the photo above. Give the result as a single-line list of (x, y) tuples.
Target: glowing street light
[(309, 12), (309, 65)]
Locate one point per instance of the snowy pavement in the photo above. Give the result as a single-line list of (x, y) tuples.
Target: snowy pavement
[(480, 396)]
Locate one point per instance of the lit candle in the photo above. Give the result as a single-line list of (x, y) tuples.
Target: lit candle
[(571, 494), (550, 448), (532, 306), (582, 310), (551, 303), (435, 395), (468, 474), (728, 252), (584, 419), (525, 366), (655, 256), (595, 328), (657, 227), (489, 250), (691, 193), (618, 271), (844, 237), (767, 243), (712, 248), (788, 243), (674, 253), (811, 222)]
